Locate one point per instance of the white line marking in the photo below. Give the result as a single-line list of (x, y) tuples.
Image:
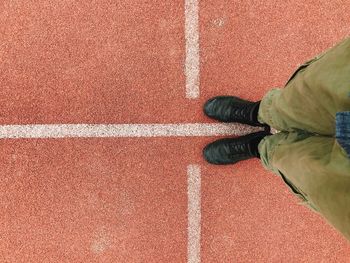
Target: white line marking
[(192, 49), (123, 130), (194, 213)]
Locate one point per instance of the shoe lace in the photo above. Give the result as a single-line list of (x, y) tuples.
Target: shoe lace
[(242, 111), (238, 148)]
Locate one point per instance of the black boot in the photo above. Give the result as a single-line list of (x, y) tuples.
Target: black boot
[(233, 150), (233, 109)]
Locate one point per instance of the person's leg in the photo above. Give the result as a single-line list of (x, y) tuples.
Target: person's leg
[(316, 92), (310, 101), (316, 169)]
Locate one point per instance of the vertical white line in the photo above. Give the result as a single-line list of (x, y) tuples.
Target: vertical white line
[(192, 48), (194, 213)]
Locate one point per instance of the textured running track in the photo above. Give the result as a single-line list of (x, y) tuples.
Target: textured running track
[(127, 199)]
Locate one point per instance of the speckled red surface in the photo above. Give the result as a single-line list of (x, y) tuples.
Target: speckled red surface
[(125, 200), (93, 200)]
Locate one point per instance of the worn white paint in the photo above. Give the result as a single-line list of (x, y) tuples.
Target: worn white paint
[(124, 130), (192, 67), (194, 213)]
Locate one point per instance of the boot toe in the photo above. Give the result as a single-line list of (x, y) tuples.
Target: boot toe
[(209, 107), (208, 154), (216, 153), (218, 108)]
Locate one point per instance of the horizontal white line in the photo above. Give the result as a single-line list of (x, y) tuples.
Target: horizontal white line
[(194, 213), (192, 49), (123, 130)]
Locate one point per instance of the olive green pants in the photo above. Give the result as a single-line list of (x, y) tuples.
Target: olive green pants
[(305, 153)]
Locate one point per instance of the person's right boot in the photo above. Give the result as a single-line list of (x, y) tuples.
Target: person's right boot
[(233, 109)]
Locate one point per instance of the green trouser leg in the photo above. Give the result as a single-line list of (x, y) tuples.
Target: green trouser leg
[(306, 153)]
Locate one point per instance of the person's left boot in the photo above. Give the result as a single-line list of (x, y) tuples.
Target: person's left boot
[(233, 150)]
